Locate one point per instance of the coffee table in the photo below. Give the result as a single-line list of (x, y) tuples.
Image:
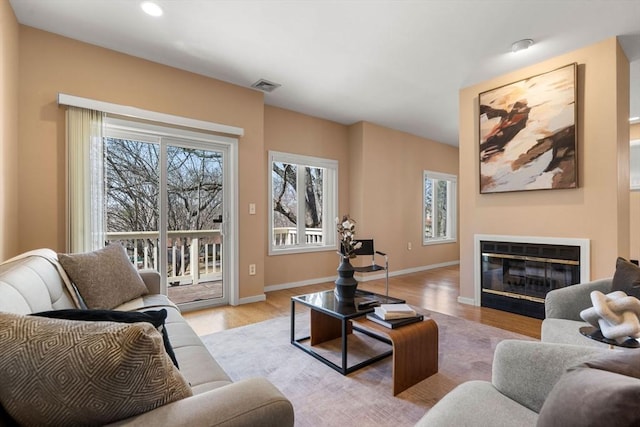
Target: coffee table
[(414, 346)]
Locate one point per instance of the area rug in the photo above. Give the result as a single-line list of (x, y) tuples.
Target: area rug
[(323, 397)]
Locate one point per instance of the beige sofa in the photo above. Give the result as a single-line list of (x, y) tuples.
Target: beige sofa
[(33, 283)]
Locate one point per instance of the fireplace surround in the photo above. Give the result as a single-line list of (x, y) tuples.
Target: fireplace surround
[(514, 273)]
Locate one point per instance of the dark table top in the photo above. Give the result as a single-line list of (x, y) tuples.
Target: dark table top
[(327, 302)]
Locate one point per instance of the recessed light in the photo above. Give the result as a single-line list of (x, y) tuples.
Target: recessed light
[(521, 45), (150, 8)]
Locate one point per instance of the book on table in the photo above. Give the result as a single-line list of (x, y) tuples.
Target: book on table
[(395, 323), (394, 311)]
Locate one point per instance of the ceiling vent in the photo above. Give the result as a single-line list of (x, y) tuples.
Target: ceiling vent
[(265, 85)]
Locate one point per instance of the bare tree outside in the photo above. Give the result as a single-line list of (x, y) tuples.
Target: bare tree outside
[(436, 196), (441, 206), (132, 188), (194, 188), (313, 197), (286, 196), (428, 208)]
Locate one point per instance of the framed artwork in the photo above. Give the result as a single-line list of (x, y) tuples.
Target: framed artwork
[(528, 135)]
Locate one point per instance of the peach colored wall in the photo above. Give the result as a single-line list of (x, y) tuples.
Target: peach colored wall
[(50, 64), (380, 178), (387, 203), (622, 95), (356, 176), (596, 209), (634, 208), (9, 39), (296, 133)]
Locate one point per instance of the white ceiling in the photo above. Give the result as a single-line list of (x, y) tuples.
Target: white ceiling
[(398, 63)]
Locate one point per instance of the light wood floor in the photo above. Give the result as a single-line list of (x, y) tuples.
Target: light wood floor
[(436, 290)]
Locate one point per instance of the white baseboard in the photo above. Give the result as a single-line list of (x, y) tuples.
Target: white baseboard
[(290, 285), (255, 298), (360, 277), (410, 270), (468, 301)]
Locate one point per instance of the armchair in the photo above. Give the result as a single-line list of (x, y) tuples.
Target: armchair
[(523, 375), (562, 313)]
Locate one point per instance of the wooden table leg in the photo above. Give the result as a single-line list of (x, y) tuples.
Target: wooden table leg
[(415, 354), (324, 327), (415, 351)]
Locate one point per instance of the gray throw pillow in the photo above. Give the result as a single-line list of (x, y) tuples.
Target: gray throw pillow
[(105, 278), (619, 362), (66, 372), (626, 278), (585, 397)]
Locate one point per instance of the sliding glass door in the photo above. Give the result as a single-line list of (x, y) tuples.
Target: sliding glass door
[(194, 213), (166, 201)]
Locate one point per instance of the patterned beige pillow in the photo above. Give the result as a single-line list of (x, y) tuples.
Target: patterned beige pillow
[(67, 372), (105, 278)]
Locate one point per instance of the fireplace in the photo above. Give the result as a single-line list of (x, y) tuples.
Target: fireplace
[(515, 276)]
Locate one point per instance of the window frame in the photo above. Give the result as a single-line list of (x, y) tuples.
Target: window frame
[(329, 202), (452, 207)]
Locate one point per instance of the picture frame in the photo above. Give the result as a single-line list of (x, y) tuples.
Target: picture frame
[(527, 133)]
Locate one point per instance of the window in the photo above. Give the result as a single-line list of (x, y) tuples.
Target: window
[(439, 203), (303, 193)]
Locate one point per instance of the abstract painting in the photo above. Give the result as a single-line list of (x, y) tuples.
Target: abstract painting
[(528, 134)]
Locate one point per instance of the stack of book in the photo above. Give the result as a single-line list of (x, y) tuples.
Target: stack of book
[(394, 315)]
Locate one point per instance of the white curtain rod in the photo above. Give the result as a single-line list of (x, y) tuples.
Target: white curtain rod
[(139, 113)]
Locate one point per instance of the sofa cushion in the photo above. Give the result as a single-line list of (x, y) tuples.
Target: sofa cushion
[(604, 391), (105, 278), (155, 317), (66, 372), (626, 278)]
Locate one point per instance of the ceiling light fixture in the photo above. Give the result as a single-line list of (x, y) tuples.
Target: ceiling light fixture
[(150, 8), (633, 119), (521, 45)]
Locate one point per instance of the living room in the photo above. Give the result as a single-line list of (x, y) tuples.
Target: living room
[(51, 64), (35, 66)]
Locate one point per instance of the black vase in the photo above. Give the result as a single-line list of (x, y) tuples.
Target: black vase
[(346, 285)]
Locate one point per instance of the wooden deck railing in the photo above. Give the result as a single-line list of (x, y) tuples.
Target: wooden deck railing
[(192, 256), (286, 236)]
